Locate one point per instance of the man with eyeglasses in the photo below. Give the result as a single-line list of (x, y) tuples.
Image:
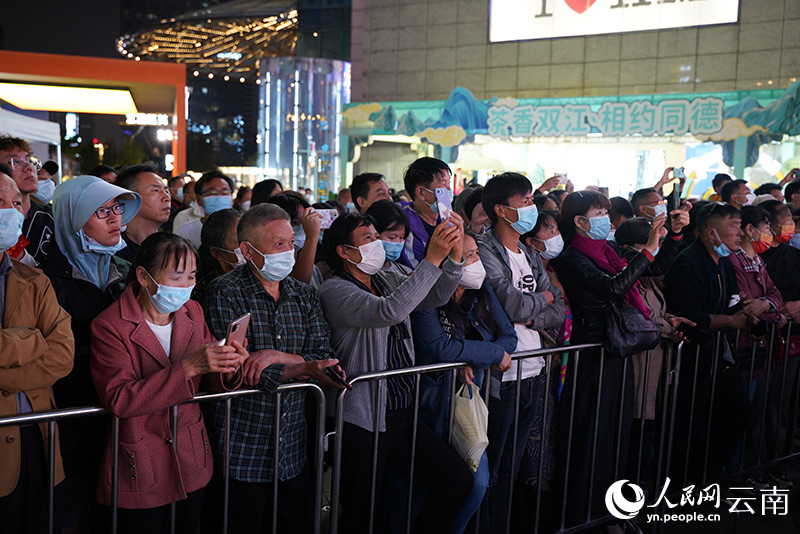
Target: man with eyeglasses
[(213, 192), (38, 228), (155, 210)]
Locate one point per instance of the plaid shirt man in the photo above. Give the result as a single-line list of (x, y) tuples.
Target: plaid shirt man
[(294, 325)]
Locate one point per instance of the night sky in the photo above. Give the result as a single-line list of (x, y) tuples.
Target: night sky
[(85, 27)]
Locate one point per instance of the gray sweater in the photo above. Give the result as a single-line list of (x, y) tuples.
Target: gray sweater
[(360, 324)]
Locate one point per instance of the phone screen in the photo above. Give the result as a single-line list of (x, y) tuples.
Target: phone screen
[(443, 201)]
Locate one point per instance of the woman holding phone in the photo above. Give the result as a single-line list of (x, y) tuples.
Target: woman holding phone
[(151, 350)]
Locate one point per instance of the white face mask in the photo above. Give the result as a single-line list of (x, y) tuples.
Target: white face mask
[(553, 247), (246, 205), (473, 275), (749, 198), (373, 256)]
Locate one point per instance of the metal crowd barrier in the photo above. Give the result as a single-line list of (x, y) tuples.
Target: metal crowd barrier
[(52, 416), (776, 395)]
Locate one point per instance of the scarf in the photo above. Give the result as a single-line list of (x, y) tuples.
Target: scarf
[(604, 257)]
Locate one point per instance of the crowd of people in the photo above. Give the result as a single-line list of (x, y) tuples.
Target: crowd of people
[(118, 289)]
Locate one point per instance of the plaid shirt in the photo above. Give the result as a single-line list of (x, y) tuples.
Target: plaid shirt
[(295, 325)]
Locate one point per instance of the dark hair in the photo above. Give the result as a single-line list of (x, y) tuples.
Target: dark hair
[(207, 177), (578, 203), (189, 185), (502, 187), (341, 233), (766, 189), (241, 192), (359, 188), (689, 231), (791, 188), (729, 189), (720, 179), (620, 207), (172, 179), (558, 195), (263, 190), (100, 170), (293, 204), (5, 169), (713, 211), (257, 216), (213, 235), (8, 143), (160, 251), (754, 215), (541, 201), (422, 172), (639, 197), (775, 208), (544, 217), (474, 198), (634, 231), (388, 216), (128, 176)]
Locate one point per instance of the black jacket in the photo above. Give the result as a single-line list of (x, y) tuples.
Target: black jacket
[(696, 287), (589, 290), (83, 301), (783, 266)]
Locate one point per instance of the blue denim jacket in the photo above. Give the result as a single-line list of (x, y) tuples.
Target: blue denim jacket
[(433, 345)]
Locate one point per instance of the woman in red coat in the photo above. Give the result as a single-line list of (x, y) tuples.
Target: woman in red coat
[(150, 351)]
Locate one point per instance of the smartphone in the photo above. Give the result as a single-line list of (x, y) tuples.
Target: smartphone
[(562, 178), (677, 172), (337, 378), (328, 216), (237, 330), (443, 200)]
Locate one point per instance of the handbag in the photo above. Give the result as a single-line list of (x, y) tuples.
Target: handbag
[(628, 331), (471, 421)]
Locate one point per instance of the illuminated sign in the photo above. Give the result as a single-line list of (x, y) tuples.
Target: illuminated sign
[(699, 116), (147, 119), (517, 20)]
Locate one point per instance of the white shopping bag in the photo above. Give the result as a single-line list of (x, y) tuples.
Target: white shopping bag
[(470, 423)]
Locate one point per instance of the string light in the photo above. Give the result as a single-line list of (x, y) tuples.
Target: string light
[(228, 47)]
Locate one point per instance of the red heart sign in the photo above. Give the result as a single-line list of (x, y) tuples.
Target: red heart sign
[(579, 6)]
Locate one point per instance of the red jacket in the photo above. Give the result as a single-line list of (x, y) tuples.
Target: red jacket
[(136, 381)]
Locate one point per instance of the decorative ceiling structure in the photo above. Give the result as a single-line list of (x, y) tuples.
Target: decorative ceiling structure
[(225, 40)]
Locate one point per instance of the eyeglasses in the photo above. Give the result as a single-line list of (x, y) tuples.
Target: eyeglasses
[(17, 163), (105, 213)]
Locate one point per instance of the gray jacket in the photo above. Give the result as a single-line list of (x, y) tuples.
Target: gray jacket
[(521, 307), (360, 324)]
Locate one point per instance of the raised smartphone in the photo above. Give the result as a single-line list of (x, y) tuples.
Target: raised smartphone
[(237, 330)]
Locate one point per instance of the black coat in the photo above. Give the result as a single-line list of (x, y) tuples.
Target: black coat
[(590, 289), (83, 301)]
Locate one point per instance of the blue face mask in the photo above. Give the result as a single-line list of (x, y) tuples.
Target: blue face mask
[(299, 237), (276, 266), (393, 250), (601, 227), (217, 203), (795, 241), (179, 195), (10, 227), (349, 206), (722, 249), (527, 218), (90, 245), (45, 191), (169, 299)]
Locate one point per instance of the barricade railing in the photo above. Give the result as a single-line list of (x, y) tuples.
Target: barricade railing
[(674, 443), (51, 417)]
